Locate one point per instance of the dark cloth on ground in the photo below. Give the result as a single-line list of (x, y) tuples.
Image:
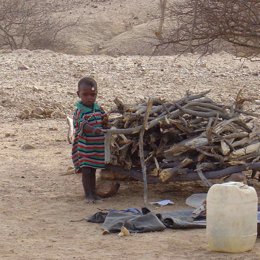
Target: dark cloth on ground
[(182, 219), (98, 217), (139, 221), (134, 222)]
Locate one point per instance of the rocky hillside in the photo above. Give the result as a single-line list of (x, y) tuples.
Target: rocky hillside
[(46, 81), (113, 27)]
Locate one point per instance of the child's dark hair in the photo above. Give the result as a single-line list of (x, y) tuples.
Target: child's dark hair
[(87, 81)]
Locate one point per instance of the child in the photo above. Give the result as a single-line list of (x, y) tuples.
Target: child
[(88, 146)]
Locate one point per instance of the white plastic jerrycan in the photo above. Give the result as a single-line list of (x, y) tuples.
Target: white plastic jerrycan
[(231, 217)]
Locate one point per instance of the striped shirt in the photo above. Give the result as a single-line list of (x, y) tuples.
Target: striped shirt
[(88, 148)]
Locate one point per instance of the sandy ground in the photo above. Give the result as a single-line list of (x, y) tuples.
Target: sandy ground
[(38, 201)]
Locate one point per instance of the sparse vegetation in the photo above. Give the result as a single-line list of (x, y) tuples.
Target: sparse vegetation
[(33, 24), (203, 25)]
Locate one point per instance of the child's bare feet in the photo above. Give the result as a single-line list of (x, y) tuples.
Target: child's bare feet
[(90, 199), (98, 199)]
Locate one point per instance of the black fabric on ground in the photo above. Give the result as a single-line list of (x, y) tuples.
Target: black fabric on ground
[(98, 217), (135, 223), (181, 219)]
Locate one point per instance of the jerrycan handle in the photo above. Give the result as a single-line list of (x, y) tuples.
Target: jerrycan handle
[(240, 185)]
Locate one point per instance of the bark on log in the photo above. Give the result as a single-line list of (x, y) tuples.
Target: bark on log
[(132, 173), (193, 176)]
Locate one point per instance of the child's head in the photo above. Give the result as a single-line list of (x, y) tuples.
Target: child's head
[(87, 91)]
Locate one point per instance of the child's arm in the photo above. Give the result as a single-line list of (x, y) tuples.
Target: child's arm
[(84, 126), (90, 129)]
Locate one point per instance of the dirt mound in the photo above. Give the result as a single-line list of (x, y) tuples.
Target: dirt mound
[(111, 27)]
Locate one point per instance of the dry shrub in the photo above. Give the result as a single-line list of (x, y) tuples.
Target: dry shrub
[(202, 25), (34, 24)]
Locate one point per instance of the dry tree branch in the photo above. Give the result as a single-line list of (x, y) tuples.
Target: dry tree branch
[(203, 25), (33, 24)]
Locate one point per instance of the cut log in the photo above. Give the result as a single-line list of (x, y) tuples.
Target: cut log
[(252, 148), (186, 145), (166, 174), (193, 176)]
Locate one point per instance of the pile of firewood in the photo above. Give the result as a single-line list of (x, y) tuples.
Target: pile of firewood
[(189, 139)]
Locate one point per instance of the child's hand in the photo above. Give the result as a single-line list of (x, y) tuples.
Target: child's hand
[(105, 121), (98, 131)]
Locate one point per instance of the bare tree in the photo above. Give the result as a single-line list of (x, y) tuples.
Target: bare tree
[(201, 25), (32, 24)]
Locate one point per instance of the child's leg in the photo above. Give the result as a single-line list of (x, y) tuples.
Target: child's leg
[(87, 183), (93, 183)]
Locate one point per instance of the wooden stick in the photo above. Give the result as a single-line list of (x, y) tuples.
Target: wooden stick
[(141, 149), (121, 107), (147, 113), (202, 177), (70, 130), (204, 114), (156, 121), (107, 148), (205, 105)]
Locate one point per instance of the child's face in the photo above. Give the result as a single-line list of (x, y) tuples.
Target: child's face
[(87, 94)]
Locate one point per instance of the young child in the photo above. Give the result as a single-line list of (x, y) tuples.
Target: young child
[(88, 146)]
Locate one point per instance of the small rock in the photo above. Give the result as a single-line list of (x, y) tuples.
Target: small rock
[(141, 97), (203, 65), (9, 135), (35, 89), (38, 111), (48, 112), (25, 114), (27, 147), (38, 116), (70, 170), (58, 114), (53, 129), (6, 103), (23, 67)]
